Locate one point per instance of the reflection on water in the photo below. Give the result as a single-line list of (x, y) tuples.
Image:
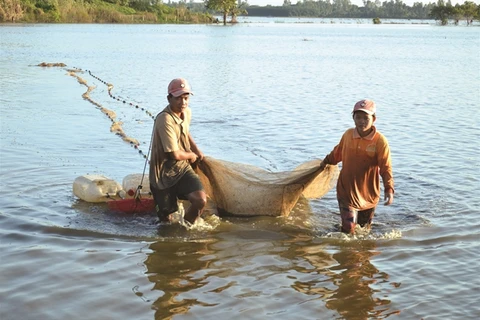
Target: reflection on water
[(172, 268), (355, 277), (231, 270)]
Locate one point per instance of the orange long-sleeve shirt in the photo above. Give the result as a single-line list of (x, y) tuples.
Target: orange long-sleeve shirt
[(364, 160)]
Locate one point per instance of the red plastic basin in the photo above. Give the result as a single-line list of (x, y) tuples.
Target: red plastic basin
[(132, 205)]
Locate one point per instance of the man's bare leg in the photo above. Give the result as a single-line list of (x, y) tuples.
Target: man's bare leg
[(198, 200)]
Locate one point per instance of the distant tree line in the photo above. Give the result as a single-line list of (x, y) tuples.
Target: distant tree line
[(156, 11), (101, 11), (444, 12), (371, 9), (345, 9)]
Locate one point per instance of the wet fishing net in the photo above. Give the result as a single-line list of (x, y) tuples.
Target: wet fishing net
[(245, 190), (232, 188)]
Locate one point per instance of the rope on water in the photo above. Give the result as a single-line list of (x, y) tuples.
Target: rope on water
[(116, 126)]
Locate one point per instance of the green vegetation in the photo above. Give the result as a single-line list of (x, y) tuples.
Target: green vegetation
[(100, 11), (155, 11), (227, 8), (392, 9), (444, 12), (223, 6)]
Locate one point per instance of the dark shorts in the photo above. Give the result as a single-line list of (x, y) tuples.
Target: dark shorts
[(166, 201), (361, 217)]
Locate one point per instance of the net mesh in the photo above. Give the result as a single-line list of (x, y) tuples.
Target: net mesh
[(245, 190), (234, 188)]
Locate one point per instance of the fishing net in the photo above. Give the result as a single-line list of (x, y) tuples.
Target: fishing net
[(233, 188), (245, 190)]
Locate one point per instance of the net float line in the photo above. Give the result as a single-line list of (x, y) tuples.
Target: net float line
[(116, 126), (110, 87)]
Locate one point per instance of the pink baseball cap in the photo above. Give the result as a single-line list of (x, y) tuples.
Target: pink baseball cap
[(179, 86), (367, 106)]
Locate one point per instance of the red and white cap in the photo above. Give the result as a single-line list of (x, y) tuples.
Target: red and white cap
[(367, 106), (179, 86)]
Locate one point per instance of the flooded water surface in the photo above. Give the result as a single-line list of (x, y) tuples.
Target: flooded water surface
[(272, 95)]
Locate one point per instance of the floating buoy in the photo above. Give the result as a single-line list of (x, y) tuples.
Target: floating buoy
[(96, 188), (132, 181), (132, 198)]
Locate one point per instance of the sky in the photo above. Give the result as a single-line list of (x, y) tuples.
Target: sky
[(357, 2)]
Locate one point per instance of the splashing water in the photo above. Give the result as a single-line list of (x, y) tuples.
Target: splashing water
[(210, 222), (365, 234)]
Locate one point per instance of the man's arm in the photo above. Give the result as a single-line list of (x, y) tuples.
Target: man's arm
[(385, 166), (183, 155), (195, 148)]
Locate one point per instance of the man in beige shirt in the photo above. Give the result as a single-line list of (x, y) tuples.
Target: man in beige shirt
[(172, 155)]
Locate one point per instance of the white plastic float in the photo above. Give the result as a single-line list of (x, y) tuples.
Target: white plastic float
[(131, 182), (96, 188), (123, 198)]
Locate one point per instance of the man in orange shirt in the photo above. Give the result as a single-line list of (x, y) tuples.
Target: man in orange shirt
[(365, 156)]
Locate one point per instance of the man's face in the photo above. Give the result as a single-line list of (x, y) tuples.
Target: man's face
[(179, 104), (363, 121)]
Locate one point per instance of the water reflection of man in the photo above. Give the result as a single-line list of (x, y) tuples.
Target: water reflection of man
[(171, 266), (354, 276), (343, 279)]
